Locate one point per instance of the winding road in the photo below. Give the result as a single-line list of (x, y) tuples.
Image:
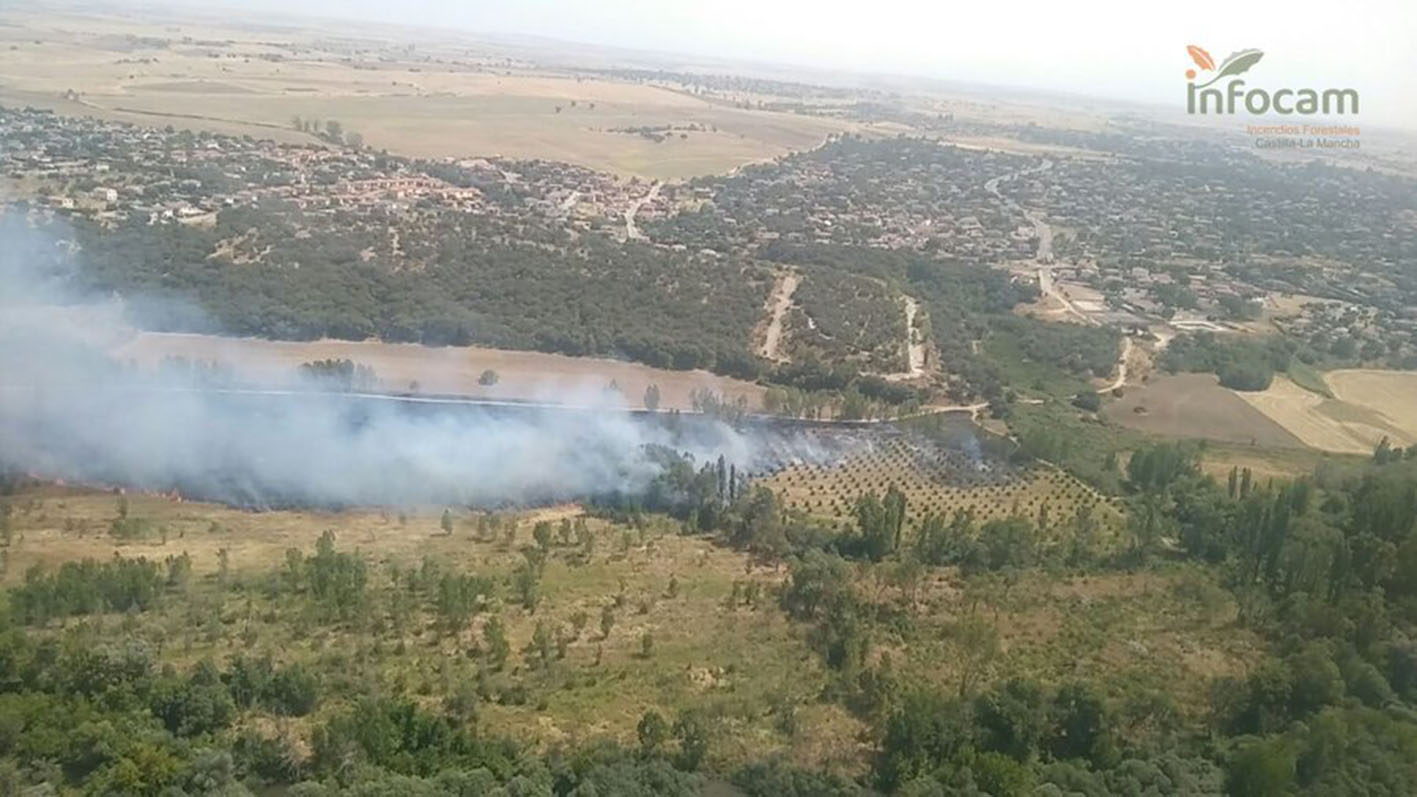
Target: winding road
[(1043, 262)]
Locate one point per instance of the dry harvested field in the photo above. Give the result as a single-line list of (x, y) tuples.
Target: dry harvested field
[(1016, 147), (1196, 406), (425, 95), (1368, 405), (452, 370)]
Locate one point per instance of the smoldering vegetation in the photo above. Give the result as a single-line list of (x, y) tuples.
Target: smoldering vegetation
[(68, 411)]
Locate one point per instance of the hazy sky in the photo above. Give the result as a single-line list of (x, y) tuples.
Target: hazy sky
[(1128, 49)]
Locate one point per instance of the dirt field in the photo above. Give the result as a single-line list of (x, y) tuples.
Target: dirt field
[(1196, 406), (451, 370), (1368, 406), (429, 96)]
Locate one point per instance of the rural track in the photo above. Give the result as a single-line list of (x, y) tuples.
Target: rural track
[(632, 233), (914, 348), (778, 303)]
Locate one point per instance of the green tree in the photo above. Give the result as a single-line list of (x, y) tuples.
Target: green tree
[(494, 635), (975, 642), (607, 621), (1011, 718), (542, 646), (652, 731), (692, 732), (541, 532), (1080, 725), (1264, 768)]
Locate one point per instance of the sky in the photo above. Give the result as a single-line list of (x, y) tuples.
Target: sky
[(1121, 49)]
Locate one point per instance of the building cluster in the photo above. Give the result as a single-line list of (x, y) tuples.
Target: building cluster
[(906, 194), (114, 172)]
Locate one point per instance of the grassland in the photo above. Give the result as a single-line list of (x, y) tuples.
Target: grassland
[(1393, 393), (1280, 464), (1166, 632), (451, 370), (741, 661), (735, 661), (1018, 369)]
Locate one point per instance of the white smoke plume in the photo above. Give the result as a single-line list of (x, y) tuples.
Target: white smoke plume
[(68, 411)]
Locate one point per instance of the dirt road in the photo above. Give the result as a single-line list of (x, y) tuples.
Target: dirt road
[(778, 303), (1121, 367), (631, 231), (914, 344)]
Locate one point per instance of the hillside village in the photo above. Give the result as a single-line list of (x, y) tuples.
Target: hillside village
[(1229, 246), (114, 172)]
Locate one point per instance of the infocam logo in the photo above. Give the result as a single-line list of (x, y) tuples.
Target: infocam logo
[(1201, 98)]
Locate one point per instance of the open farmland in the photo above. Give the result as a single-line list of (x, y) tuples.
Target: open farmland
[(519, 118), (1196, 406), (1367, 406), (942, 479), (436, 98), (1393, 393), (450, 370)]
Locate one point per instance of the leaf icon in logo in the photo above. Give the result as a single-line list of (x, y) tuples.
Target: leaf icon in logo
[(1237, 63), (1201, 57)]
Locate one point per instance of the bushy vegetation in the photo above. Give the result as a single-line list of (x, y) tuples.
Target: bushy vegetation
[(340, 375), (110, 715), (852, 318), (1241, 363), (1317, 565), (1082, 352), (963, 302), (591, 296), (899, 618)]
